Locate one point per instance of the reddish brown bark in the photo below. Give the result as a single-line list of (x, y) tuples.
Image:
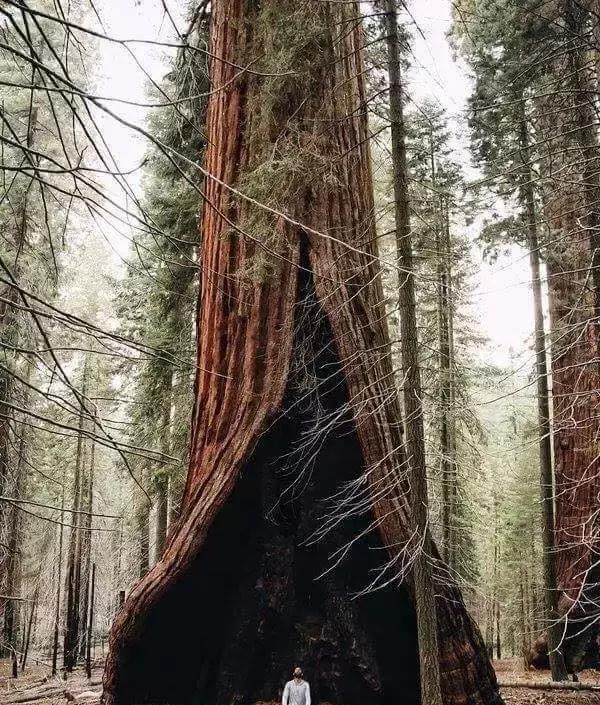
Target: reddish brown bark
[(570, 170), (251, 327), (576, 394)]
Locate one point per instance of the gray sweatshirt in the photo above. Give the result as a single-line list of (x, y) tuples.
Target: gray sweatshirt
[(296, 693)]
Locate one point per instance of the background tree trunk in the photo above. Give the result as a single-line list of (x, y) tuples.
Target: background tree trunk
[(73, 568), (447, 392), (564, 120), (85, 521), (14, 563), (161, 480), (424, 590), (142, 521), (555, 654)]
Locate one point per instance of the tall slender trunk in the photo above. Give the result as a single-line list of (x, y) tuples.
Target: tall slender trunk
[(523, 620), (86, 546), (498, 634), (142, 523), (117, 565), (74, 555), (27, 634), (59, 578), (161, 480), (557, 663), (14, 562), (431, 692), (9, 316), (446, 384), (6, 418), (180, 420), (90, 621)]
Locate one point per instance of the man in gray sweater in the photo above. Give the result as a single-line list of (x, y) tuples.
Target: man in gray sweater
[(296, 691)]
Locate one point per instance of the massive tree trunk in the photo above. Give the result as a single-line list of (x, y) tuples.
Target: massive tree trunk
[(296, 458)]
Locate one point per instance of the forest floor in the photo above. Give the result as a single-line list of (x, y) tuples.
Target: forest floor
[(37, 687), (510, 671)]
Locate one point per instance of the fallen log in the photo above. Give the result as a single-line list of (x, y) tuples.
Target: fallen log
[(32, 697), (87, 696), (562, 685), (32, 694), (35, 691)]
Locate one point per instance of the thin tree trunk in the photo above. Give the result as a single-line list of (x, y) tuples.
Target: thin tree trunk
[(493, 607), (161, 480), (180, 419), (73, 589), (523, 621), (9, 317), (116, 581), (142, 521), (59, 560), (446, 373), (27, 639), (86, 545), (557, 663), (424, 596), (455, 529), (14, 567), (498, 635), (161, 492), (10, 325), (90, 622)]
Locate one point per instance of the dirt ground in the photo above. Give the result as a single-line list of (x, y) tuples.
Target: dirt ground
[(517, 696), (512, 671), (37, 687)]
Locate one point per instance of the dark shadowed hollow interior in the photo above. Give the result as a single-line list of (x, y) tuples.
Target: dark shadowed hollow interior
[(251, 607)]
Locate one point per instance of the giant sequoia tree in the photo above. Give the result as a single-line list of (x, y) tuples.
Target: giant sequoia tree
[(566, 120), (539, 142), (296, 472)]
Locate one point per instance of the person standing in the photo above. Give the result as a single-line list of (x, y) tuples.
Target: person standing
[(296, 691)]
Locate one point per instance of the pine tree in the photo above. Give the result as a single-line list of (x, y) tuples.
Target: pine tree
[(159, 292), (35, 207)]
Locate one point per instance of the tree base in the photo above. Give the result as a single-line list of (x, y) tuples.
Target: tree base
[(262, 597)]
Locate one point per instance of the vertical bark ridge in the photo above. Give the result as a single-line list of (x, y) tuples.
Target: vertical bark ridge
[(569, 161), (246, 323), (467, 675)]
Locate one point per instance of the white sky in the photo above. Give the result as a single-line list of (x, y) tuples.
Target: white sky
[(502, 297)]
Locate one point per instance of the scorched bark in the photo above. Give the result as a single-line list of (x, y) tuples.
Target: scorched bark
[(291, 337)]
